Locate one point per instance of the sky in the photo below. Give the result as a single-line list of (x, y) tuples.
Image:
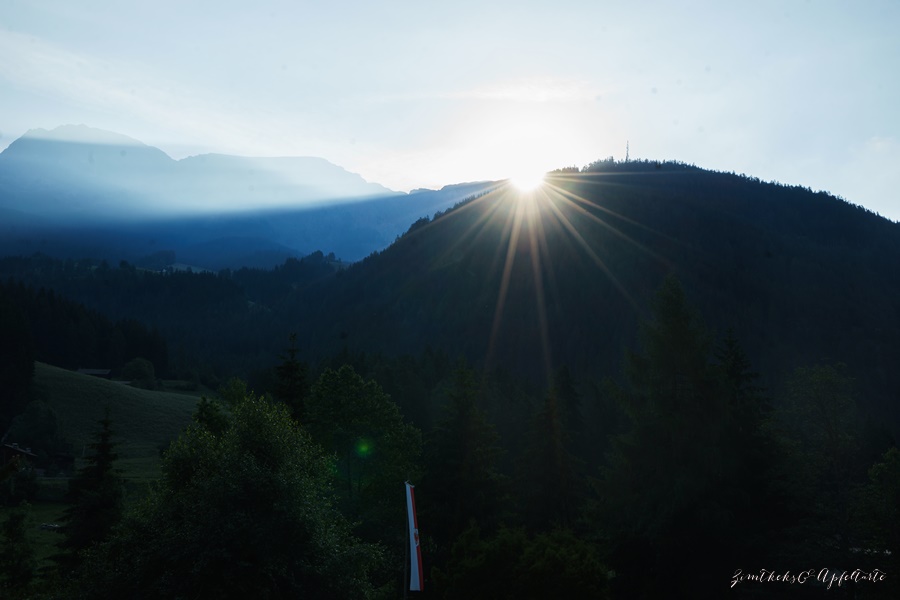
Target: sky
[(413, 94)]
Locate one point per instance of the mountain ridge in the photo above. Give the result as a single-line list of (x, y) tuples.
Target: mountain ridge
[(801, 277), (94, 162), (53, 190)]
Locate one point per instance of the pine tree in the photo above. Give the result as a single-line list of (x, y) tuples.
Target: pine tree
[(210, 415), (748, 403), (94, 497), (292, 381), (570, 410), (550, 475), (748, 486), (463, 480), (678, 473), (819, 424)]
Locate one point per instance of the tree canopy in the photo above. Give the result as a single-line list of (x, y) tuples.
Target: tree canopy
[(247, 512)]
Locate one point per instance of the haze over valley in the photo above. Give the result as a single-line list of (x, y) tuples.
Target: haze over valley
[(80, 192)]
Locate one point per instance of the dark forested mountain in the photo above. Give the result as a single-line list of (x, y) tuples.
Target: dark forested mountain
[(79, 192), (564, 276), (528, 283)]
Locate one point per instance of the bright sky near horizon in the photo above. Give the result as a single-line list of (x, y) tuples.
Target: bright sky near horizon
[(415, 94)]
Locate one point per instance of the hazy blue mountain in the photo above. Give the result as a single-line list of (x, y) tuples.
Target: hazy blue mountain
[(79, 172), (76, 170), (217, 182), (78, 191)]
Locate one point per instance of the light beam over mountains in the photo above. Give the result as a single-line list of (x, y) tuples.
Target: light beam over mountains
[(76, 170), (76, 191)]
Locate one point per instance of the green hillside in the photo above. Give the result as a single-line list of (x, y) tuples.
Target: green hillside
[(144, 421)]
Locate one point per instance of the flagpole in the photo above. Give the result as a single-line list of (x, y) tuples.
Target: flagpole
[(415, 552), (406, 567), (405, 585)]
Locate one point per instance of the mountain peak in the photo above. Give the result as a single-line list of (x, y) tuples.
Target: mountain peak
[(102, 174), (81, 134)]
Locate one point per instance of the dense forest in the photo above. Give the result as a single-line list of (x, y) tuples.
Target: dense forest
[(644, 380), (801, 278)]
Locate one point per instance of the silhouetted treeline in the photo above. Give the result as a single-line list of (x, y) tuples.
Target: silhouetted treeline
[(227, 317), (671, 480), (17, 352), (63, 332)]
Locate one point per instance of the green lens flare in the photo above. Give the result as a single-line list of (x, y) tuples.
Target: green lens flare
[(363, 448)]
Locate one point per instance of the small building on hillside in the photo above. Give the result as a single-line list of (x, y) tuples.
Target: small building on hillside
[(15, 458), (12, 450), (101, 373)]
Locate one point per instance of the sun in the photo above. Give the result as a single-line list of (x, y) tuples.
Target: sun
[(527, 181)]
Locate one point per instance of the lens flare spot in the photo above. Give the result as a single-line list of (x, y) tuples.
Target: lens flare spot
[(363, 448)]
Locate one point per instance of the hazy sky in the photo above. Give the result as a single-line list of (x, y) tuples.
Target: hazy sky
[(421, 94)]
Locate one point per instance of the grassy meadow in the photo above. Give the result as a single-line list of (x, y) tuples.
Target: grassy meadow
[(144, 421)]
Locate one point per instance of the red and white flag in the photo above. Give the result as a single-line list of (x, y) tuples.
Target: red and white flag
[(415, 553)]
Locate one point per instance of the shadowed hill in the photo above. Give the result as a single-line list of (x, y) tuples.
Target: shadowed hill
[(143, 421), (564, 277)]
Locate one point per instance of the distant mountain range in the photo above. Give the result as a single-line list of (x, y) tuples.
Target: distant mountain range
[(79, 191), (76, 170)]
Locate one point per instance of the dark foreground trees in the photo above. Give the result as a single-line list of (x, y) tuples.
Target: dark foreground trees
[(94, 497), (684, 489), (375, 450), (699, 478), (17, 562), (16, 360), (246, 513), (463, 482), (512, 565)]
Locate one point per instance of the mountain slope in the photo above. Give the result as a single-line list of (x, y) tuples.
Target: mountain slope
[(78, 172), (801, 277), (143, 421)]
